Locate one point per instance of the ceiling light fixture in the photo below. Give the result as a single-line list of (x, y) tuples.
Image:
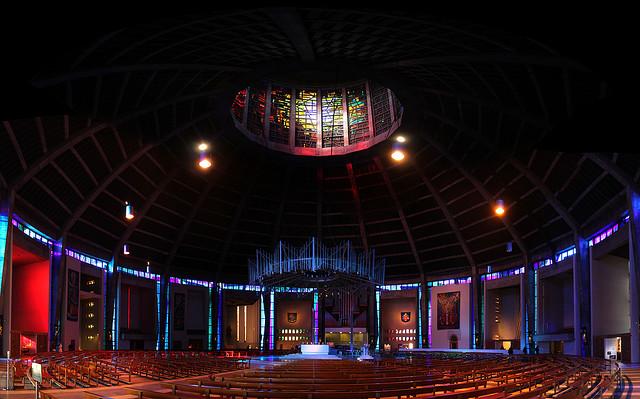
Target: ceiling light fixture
[(397, 155), (499, 209), (128, 211)]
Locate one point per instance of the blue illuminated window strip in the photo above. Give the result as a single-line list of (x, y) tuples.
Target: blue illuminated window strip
[(263, 322), (31, 231), (399, 287), (378, 328), (501, 274), (315, 317), (166, 320), (429, 317), (90, 260), (115, 323), (158, 319), (209, 320), (187, 281), (272, 311), (138, 273), (535, 301), (419, 317), (219, 325), (4, 227), (459, 280)]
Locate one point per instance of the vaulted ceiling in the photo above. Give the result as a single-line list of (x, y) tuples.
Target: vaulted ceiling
[(482, 108)]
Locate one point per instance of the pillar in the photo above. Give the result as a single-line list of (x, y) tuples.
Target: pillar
[(6, 244), (162, 326), (475, 307), (633, 199), (58, 282), (523, 306), (581, 298)]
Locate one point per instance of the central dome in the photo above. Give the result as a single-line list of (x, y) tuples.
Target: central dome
[(329, 120)]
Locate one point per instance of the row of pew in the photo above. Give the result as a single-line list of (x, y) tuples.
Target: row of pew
[(87, 369), (437, 375)]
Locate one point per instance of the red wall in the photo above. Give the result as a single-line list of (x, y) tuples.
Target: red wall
[(30, 301)]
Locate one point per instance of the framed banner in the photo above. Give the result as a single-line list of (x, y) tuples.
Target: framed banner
[(73, 294), (178, 312), (449, 310)]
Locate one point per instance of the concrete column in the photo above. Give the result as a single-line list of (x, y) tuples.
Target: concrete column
[(475, 306), (582, 306), (633, 199), (523, 307), (58, 282), (6, 208)]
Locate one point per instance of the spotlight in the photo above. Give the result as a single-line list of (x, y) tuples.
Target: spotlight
[(128, 211), (203, 147), (499, 209), (397, 155), (204, 163), (401, 139)]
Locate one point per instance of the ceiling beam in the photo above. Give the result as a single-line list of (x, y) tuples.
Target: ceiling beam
[(150, 200), (447, 214), (504, 58), (43, 161), (119, 170), (532, 177), (236, 217), (608, 165), (291, 24), (480, 188), (358, 204), (283, 200), (99, 72), (401, 215)]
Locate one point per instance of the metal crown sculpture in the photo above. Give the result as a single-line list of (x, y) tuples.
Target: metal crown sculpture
[(316, 265)]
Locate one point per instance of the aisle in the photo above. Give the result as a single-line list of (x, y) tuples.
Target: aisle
[(630, 385)]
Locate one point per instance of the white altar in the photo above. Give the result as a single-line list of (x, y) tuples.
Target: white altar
[(310, 349)]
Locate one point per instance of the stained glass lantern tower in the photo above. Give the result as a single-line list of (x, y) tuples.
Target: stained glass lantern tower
[(317, 121)]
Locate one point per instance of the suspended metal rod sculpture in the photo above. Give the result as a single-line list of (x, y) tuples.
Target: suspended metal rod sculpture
[(316, 265)]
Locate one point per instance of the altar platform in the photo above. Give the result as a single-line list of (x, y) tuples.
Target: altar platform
[(311, 351)]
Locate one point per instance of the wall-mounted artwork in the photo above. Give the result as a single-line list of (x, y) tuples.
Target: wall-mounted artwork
[(178, 312), (292, 317), (405, 317), (449, 310), (73, 293)]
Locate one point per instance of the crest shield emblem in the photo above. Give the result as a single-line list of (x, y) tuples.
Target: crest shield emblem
[(405, 317), (292, 317)]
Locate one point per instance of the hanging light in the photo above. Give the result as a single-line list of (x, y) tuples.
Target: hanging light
[(204, 158), (401, 139), (204, 163), (397, 155), (128, 211), (499, 208), (148, 263), (125, 249)]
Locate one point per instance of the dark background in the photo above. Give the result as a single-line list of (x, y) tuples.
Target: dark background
[(600, 36)]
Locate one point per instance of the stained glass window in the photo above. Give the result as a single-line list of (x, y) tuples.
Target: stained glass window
[(381, 108), (279, 116), (358, 117), (332, 119), (311, 121), (306, 118), (238, 105), (255, 118)]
